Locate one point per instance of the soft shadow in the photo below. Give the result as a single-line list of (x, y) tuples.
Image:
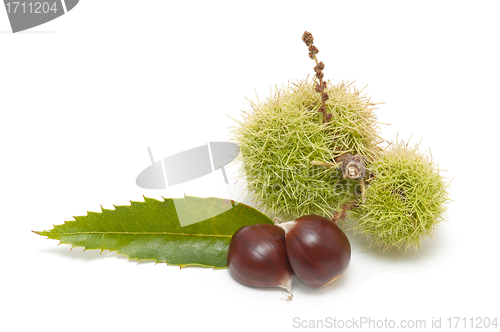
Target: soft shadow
[(28, 32), (80, 253), (340, 283), (91, 254), (360, 243), (281, 294)]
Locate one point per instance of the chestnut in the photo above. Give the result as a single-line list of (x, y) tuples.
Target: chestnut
[(257, 257), (317, 249)]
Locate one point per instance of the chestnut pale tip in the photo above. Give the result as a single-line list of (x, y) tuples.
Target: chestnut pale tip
[(287, 226), (286, 283)]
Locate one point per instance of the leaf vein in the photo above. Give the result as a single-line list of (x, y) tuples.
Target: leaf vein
[(146, 233)]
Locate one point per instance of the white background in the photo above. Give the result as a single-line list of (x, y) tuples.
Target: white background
[(83, 96)]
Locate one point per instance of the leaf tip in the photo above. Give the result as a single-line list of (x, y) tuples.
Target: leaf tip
[(42, 233)]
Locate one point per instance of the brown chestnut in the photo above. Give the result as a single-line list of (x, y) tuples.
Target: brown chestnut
[(257, 257), (317, 249)]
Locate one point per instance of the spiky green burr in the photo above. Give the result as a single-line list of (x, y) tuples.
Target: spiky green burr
[(282, 136), (406, 199)]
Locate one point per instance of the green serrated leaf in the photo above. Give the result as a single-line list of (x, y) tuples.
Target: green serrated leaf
[(189, 231)]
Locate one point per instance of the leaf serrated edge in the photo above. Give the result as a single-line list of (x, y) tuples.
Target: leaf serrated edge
[(181, 266), (47, 233)]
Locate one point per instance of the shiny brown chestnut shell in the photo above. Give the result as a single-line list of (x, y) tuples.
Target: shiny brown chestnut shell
[(317, 249), (257, 257)]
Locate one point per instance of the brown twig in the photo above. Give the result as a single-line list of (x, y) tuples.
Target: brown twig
[(342, 214), (353, 167), (308, 39)]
